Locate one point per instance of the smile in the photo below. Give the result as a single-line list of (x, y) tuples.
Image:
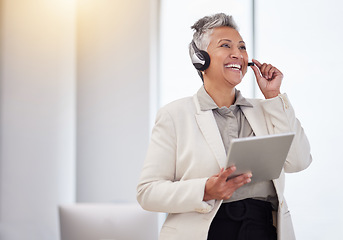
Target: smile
[(234, 66)]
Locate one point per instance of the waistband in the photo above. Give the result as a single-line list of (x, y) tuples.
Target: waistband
[(248, 212), (247, 209)]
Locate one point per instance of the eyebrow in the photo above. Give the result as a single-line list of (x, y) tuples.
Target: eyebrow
[(228, 40)]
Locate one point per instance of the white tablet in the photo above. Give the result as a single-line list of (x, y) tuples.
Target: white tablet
[(264, 156)]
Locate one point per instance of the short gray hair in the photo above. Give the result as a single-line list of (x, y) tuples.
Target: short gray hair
[(204, 28)]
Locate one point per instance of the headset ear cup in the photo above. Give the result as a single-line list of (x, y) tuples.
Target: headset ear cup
[(207, 59), (201, 60)]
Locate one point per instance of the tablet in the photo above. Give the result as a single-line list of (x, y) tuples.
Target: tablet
[(264, 156)]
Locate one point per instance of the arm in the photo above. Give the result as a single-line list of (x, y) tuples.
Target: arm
[(158, 190), (280, 116)]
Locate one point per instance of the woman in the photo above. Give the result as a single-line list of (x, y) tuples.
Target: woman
[(184, 172)]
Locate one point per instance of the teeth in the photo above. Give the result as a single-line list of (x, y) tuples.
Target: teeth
[(233, 66)]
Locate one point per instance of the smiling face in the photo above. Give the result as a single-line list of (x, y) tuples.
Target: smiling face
[(229, 58)]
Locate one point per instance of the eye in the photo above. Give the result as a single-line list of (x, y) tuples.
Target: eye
[(225, 45), (243, 47)]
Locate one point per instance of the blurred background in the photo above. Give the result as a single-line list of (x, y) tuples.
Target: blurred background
[(81, 81)]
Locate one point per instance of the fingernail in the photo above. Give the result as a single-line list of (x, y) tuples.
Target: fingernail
[(248, 180)]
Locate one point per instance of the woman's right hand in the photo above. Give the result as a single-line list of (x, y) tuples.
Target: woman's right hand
[(219, 187)]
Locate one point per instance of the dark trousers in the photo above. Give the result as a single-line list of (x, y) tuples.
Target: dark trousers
[(248, 219)]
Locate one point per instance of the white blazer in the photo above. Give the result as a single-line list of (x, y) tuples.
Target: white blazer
[(186, 149)]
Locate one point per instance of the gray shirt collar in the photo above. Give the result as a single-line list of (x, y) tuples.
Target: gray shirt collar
[(207, 103)]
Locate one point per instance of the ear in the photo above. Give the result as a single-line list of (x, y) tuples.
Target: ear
[(201, 60)]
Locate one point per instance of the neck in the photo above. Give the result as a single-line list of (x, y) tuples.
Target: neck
[(221, 96)]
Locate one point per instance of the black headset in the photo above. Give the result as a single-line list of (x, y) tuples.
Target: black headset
[(200, 59)]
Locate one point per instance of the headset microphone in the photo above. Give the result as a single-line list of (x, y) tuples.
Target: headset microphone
[(200, 59)]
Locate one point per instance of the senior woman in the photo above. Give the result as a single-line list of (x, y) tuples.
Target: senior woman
[(185, 174)]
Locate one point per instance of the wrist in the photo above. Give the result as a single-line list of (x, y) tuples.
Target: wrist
[(207, 196), (270, 95)]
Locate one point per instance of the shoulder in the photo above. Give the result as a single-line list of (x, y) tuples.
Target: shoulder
[(177, 112), (278, 101), (256, 103), (179, 106)]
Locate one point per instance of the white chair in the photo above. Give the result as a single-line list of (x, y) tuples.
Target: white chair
[(107, 222)]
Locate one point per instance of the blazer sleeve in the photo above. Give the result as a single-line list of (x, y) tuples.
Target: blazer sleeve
[(280, 118), (158, 190)]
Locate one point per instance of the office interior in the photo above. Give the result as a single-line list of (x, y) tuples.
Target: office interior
[(82, 80)]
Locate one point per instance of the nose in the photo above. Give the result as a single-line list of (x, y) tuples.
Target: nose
[(236, 54)]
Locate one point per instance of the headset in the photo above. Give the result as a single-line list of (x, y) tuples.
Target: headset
[(200, 59)]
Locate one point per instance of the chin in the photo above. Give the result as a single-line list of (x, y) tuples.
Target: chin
[(233, 82)]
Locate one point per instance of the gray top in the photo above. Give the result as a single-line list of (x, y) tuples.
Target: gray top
[(233, 124)]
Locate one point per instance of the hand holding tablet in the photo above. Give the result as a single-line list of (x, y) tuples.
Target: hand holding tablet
[(263, 156)]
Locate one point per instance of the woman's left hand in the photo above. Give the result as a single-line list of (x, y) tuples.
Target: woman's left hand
[(269, 79)]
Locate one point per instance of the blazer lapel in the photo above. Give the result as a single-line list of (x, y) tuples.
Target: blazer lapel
[(255, 117), (210, 131)]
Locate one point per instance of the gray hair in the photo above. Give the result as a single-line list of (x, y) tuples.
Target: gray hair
[(204, 28)]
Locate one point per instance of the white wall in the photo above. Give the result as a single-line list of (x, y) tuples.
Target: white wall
[(75, 106), (37, 103), (304, 39), (113, 96)]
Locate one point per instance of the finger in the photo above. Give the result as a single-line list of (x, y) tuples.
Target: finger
[(259, 70), (256, 69), (257, 73), (276, 71), (265, 69), (221, 172), (272, 71), (218, 174), (225, 174), (258, 64), (262, 67), (242, 179)]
